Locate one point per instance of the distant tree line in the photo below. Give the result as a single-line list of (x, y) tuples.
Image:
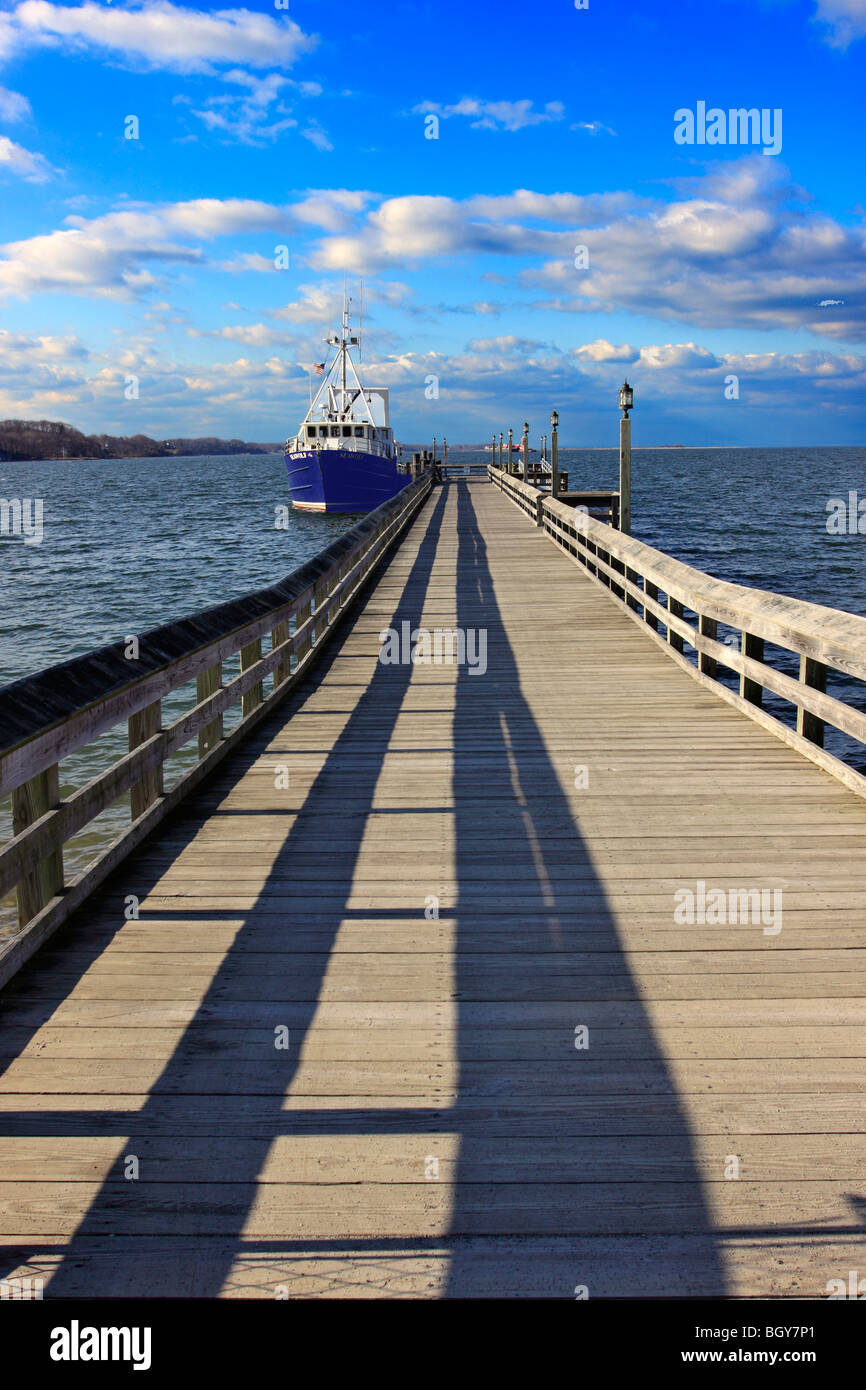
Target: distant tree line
[(50, 439)]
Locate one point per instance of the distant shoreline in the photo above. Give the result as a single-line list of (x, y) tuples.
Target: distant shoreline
[(255, 450)]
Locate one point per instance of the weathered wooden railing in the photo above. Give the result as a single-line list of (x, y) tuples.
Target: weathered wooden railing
[(46, 717), (659, 592)]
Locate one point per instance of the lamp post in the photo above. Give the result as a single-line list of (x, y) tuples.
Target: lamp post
[(444, 453), (501, 447), (626, 401), (510, 450), (526, 451), (554, 453)]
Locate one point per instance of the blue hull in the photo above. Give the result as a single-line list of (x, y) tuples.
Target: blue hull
[(342, 480)]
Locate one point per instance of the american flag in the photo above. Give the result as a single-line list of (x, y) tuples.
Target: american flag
[(319, 368)]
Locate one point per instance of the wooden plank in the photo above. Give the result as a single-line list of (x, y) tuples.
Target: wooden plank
[(375, 1209)]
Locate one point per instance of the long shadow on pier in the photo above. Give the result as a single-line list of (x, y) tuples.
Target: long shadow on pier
[(557, 1149), (582, 1154)]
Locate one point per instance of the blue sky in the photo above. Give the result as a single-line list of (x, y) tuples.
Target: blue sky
[(728, 284)]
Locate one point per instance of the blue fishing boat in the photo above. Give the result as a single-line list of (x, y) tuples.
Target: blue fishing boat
[(344, 459)]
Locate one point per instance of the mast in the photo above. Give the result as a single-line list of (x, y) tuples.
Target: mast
[(335, 387), (344, 337)]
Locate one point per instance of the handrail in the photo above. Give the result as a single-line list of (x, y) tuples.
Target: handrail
[(524, 495), (45, 717), (658, 591)]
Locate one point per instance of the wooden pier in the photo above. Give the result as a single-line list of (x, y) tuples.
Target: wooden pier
[(388, 995)]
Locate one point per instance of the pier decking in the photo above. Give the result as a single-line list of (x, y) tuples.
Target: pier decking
[(406, 1009)]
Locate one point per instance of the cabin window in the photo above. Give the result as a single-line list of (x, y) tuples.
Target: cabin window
[(347, 431), (335, 431), (311, 431), (359, 431)]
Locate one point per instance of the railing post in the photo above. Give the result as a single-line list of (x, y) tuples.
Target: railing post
[(320, 595), (252, 698), (617, 565), (29, 804), (676, 610), (301, 616), (814, 674), (632, 576), (651, 591), (143, 726), (708, 627), (283, 669), (752, 690), (206, 684)]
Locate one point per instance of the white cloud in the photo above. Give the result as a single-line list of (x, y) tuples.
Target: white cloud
[(13, 106), (250, 334), (45, 368), (10, 37), (247, 118), (166, 35), (419, 227), (27, 165), (331, 208), (494, 115), (594, 127), (320, 304), (603, 351), (316, 136), (575, 209), (109, 256), (247, 124), (247, 260), (18, 347), (506, 343), (677, 355), (846, 20)]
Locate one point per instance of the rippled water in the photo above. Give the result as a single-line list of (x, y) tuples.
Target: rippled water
[(132, 543)]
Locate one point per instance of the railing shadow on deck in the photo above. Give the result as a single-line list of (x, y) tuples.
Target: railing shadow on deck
[(580, 1152), (490, 1115)]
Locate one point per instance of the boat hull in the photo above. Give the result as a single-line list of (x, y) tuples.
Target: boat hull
[(342, 480)]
